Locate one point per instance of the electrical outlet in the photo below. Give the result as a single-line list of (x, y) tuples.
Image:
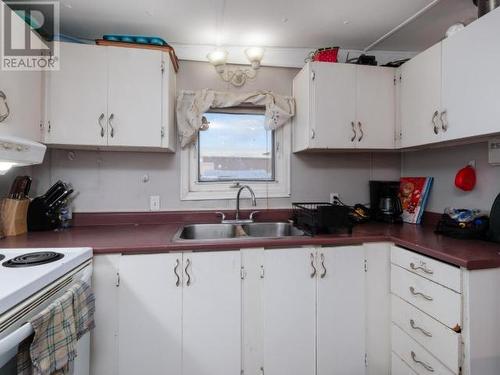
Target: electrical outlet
[(154, 203), (334, 197)]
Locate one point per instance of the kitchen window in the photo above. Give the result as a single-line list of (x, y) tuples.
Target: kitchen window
[(235, 148)]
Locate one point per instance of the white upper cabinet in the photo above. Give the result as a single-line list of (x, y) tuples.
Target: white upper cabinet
[(420, 98), (23, 92), (375, 107), (77, 97), (111, 97), (471, 79), (344, 106), (450, 91)]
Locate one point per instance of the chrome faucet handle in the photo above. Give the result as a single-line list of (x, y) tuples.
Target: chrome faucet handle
[(221, 214), (252, 214)]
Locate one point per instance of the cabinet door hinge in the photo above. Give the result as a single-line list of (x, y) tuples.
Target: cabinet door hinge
[(163, 132), (117, 284), (366, 265), (243, 273)]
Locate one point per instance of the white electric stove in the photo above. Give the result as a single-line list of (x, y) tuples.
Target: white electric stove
[(31, 279)]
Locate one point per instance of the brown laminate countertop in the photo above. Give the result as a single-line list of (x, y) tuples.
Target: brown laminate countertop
[(157, 238)]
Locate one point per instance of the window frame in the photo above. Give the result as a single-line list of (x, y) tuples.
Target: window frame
[(243, 111), (192, 189)]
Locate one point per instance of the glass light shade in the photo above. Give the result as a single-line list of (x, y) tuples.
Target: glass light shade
[(255, 55), (217, 57)]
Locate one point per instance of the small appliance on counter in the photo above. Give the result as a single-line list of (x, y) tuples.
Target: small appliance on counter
[(44, 211), (463, 224), (494, 231), (322, 218), (385, 204)]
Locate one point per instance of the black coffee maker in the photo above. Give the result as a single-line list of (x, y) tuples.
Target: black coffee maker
[(385, 204)]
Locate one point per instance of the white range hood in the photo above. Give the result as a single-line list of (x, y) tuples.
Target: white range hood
[(15, 151)]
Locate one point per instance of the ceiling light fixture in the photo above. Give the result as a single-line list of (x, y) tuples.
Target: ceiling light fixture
[(238, 76)]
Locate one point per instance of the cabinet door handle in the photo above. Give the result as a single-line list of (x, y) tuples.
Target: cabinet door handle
[(415, 293), (313, 134), (323, 266), (4, 116), (101, 117), (434, 122), (355, 134), (422, 267), (110, 123), (444, 120), (188, 263), (414, 326), (313, 274), (178, 282), (425, 365), (360, 126)]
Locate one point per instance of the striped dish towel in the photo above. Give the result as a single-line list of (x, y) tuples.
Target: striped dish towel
[(57, 329)]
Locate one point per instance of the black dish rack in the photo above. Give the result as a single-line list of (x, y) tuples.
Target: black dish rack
[(322, 218)]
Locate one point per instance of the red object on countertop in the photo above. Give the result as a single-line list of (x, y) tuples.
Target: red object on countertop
[(466, 178)]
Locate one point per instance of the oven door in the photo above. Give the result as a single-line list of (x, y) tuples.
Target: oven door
[(8, 364), (15, 333)]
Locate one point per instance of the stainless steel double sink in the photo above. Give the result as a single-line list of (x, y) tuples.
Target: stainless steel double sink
[(202, 232)]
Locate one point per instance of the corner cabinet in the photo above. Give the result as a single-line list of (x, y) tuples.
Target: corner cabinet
[(447, 95), (344, 106), (110, 97)]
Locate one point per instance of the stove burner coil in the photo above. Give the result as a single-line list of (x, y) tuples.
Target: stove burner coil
[(33, 259)]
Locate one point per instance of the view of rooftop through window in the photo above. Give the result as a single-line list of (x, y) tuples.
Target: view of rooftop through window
[(235, 147)]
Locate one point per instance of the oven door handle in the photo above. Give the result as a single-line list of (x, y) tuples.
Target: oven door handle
[(9, 344)]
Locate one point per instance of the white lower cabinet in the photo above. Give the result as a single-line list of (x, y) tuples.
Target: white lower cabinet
[(295, 311), (211, 314), (180, 314), (150, 314), (314, 311), (341, 311), (289, 311)]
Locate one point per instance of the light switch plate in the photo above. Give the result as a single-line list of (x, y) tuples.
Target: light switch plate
[(494, 151), (154, 203)]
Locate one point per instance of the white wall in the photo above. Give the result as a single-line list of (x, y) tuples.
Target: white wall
[(113, 181), (443, 164)]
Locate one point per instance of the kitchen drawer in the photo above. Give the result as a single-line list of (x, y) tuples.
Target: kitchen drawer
[(438, 339), (414, 354), (399, 367), (439, 302), (439, 272)]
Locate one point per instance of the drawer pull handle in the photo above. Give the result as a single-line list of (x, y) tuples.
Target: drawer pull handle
[(178, 282), (422, 267), (415, 293), (412, 324), (425, 365)]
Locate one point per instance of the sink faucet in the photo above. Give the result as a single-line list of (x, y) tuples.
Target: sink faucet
[(254, 202), (237, 219)]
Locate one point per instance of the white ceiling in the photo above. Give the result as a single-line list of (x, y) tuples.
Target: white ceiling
[(352, 24)]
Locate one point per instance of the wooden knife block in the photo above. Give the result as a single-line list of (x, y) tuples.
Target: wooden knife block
[(13, 214)]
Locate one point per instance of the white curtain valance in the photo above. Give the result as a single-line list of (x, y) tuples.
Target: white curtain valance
[(191, 106)]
